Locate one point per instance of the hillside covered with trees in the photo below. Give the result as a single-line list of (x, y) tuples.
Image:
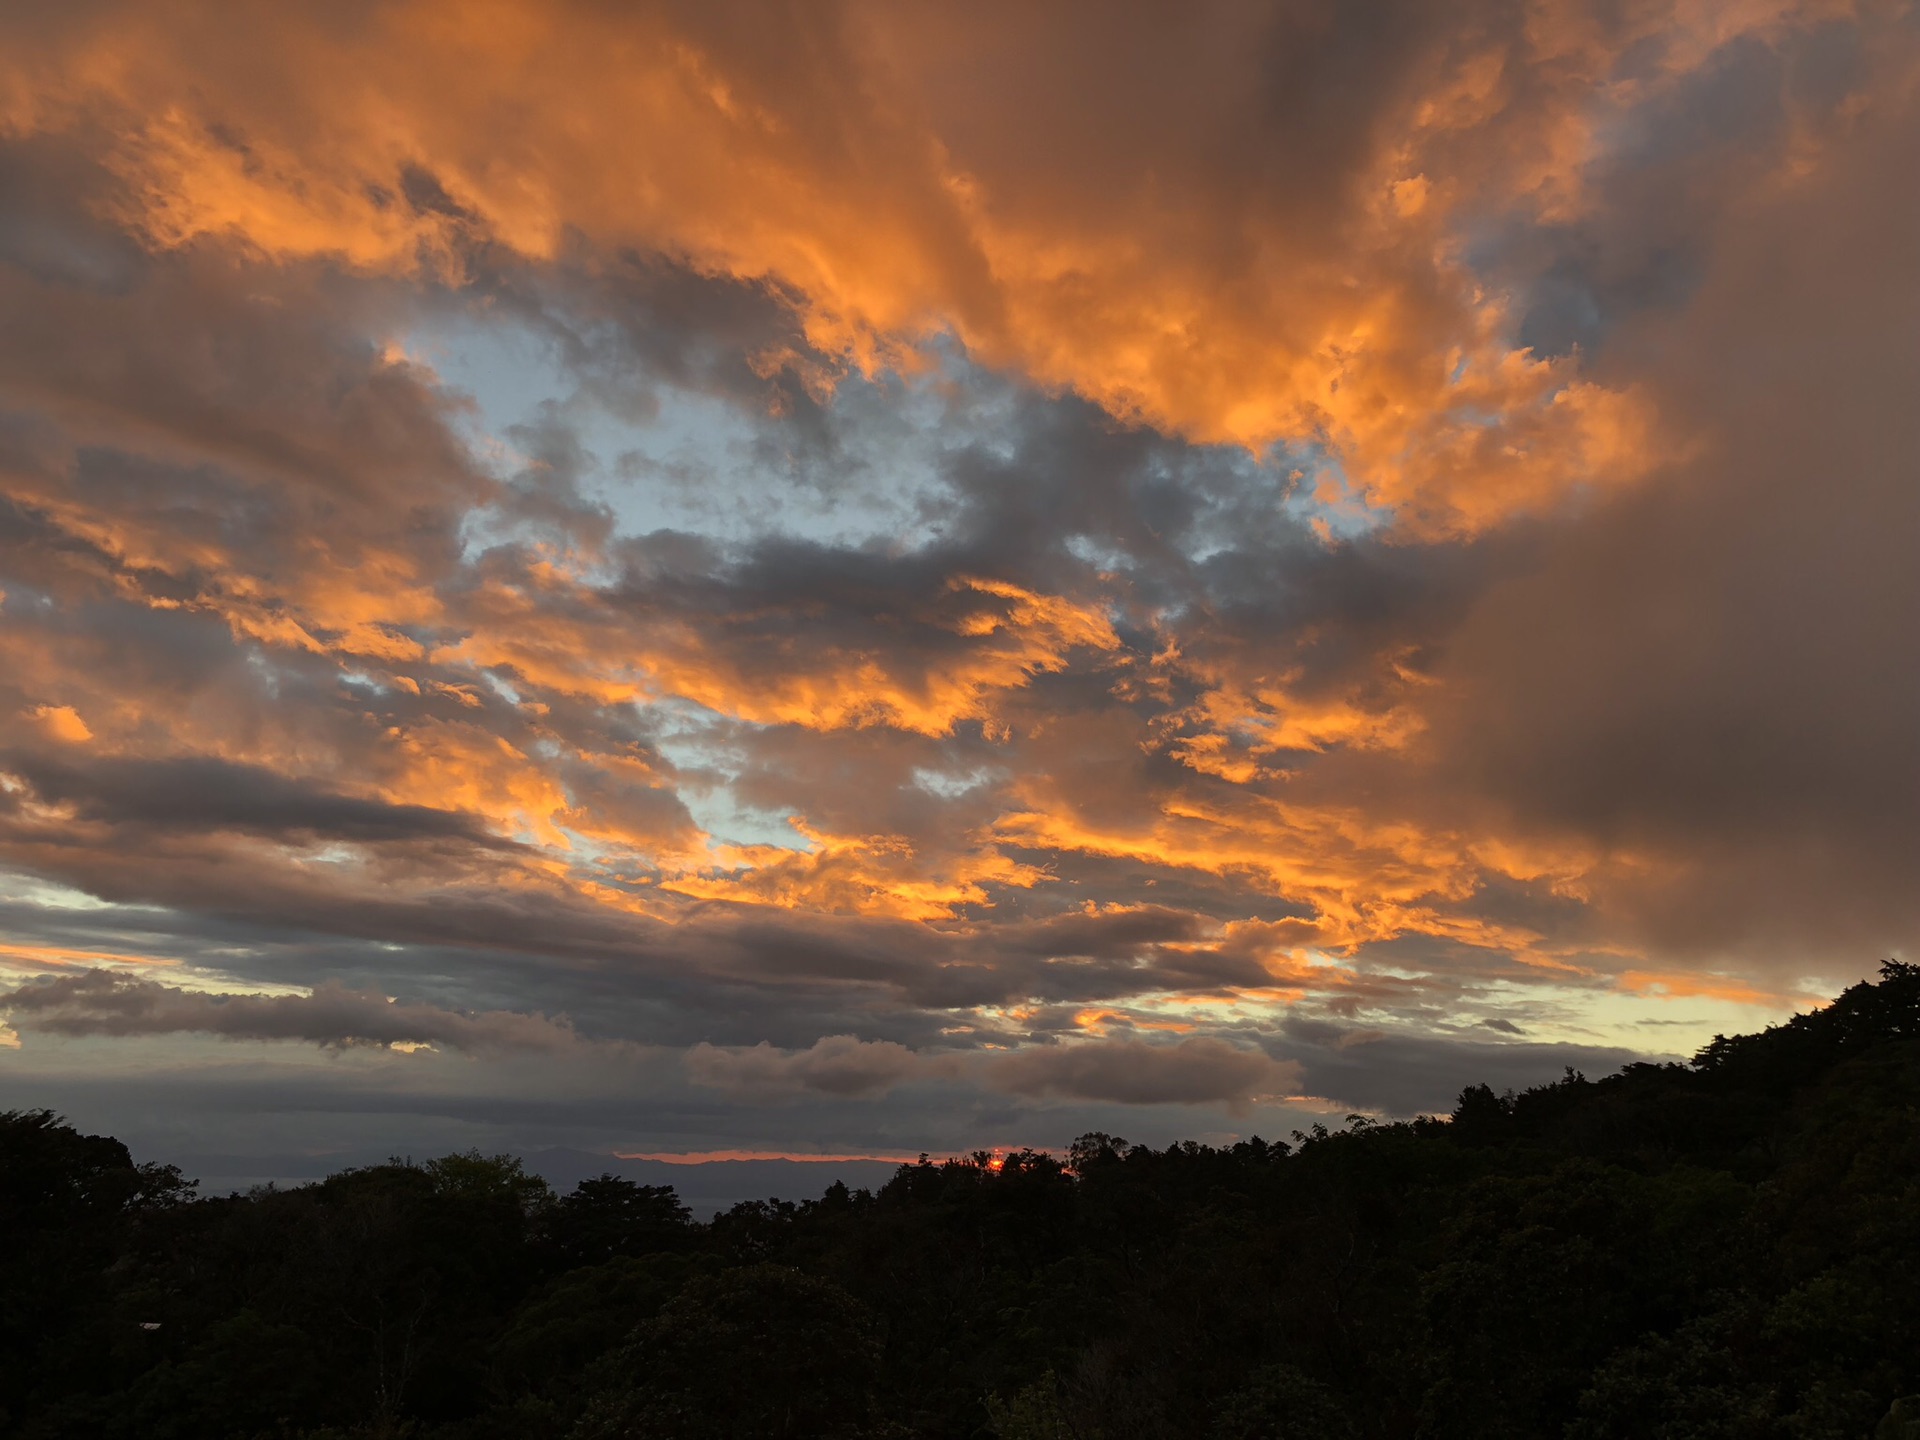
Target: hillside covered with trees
[(1728, 1248)]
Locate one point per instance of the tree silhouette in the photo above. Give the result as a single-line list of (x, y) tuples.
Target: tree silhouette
[(1727, 1248)]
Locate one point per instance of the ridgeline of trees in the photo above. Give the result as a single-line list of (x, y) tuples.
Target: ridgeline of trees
[(1729, 1248)]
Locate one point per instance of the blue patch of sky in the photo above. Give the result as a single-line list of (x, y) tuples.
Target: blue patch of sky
[(36, 893), (699, 743), (950, 784), (703, 463), (870, 473), (1321, 494)]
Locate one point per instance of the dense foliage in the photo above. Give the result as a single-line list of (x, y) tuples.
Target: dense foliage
[(1729, 1248)]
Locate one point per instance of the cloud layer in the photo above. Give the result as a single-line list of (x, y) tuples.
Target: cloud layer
[(98, 1002), (942, 572)]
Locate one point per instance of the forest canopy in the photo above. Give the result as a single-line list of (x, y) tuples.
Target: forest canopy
[(1724, 1248)]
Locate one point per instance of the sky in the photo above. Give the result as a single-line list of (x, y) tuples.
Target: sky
[(856, 578)]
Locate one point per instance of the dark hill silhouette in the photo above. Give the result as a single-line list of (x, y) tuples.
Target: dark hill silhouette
[(1727, 1248)]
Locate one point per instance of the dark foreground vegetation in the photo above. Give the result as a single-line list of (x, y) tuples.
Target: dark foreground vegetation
[(1729, 1248)]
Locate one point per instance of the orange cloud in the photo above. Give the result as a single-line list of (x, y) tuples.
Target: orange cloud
[(849, 155), (876, 875), (985, 636), (62, 723), (1707, 987), (62, 957), (1239, 720), (1367, 880)]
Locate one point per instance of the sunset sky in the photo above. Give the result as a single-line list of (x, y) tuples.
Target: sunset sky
[(858, 578)]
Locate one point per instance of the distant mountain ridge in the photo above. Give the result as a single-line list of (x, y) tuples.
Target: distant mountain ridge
[(707, 1186), (710, 1186)]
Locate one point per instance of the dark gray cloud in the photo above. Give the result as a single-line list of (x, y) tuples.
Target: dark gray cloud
[(1709, 673), (1403, 1074), (200, 793), (99, 1002), (1199, 1070), (832, 1065)]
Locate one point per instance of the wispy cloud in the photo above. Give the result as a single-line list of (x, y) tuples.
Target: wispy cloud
[(101, 1002)]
